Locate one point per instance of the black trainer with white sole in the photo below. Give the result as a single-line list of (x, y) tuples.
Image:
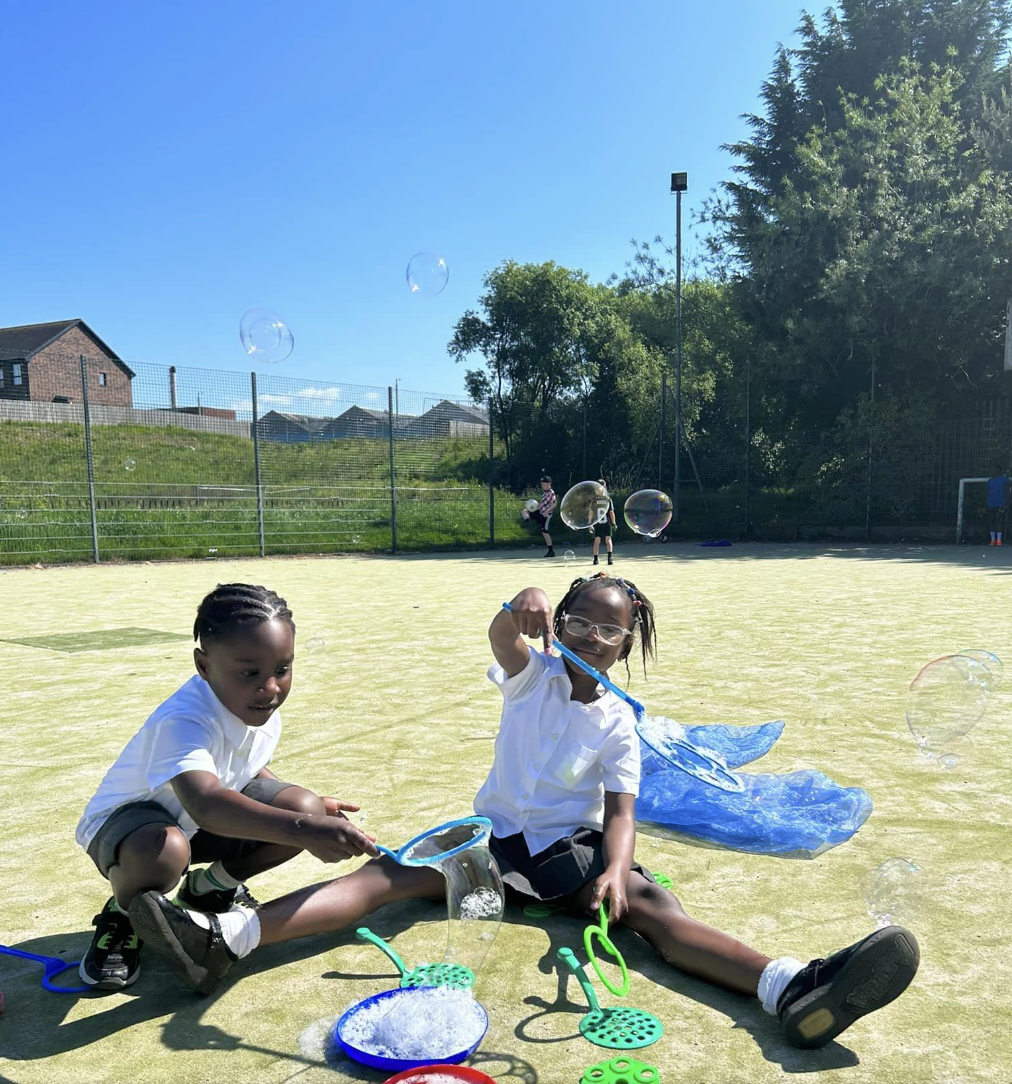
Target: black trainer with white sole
[(113, 959), (199, 956), (827, 996)]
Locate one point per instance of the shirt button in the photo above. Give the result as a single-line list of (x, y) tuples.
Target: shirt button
[(537, 767), (555, 737)]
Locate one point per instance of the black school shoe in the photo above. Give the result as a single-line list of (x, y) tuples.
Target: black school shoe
[(827, 996), (113, 959), (199, 957), (213, 902)]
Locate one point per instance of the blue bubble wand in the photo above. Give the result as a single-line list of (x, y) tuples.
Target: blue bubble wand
[(679, 753)]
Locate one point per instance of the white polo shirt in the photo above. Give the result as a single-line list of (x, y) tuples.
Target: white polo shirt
[(555, 757), (191, 732)]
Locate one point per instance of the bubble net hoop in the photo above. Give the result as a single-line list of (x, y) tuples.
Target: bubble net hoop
[(679, 753), (404, 856), (53, 965)]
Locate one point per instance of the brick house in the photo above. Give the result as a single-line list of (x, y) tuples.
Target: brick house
[(41, 362)]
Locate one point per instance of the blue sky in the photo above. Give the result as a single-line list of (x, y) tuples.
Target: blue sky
[(170, 166)]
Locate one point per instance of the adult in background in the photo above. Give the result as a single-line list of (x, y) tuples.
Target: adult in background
[(997, 498), (606, 528), (543, 516)]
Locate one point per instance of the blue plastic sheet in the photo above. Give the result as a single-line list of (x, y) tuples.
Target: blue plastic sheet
[(795, 815)]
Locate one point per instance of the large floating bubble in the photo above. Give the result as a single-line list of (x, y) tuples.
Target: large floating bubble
[(893, 891), (265, 336), (427, 274), (946, 700), (531, 505), (648, 512), (584, 506)]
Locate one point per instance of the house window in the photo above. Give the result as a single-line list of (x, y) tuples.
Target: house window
[(17, 373), (102, 380), (1, 376)]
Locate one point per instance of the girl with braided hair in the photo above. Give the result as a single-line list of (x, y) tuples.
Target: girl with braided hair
[(193, 785)]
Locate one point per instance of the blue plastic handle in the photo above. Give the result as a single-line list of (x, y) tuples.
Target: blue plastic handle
[(53, 966)]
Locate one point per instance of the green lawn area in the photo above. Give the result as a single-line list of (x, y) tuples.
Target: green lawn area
[(391, 707)]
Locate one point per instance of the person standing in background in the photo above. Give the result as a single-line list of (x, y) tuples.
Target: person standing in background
[(543, 516), (606, 528), (997, 498)]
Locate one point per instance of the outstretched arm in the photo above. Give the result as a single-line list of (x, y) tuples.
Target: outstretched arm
[(530, 615)]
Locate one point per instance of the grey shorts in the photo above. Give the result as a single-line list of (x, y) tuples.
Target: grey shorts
[(204, 846)]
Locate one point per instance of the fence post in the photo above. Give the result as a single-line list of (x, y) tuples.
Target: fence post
[(583, 471), (491, 480), (256, 468), (90, 457), (393, 477), (660, 442), (871, 431), (748, 436)]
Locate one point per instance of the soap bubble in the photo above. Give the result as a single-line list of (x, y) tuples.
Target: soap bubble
[(265, 336), (355, 540), (946, 700), (427, 274), (892, 891), (585, 505), (955, 753), (22, 513), (648, 512), (531, 505), (315, 643), (569, 556), (213, 550), (989, 661), (129, 465)]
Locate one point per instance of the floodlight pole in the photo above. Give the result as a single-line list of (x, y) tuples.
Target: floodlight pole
[(679, 184)]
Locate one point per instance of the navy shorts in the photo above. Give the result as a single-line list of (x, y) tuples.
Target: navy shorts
[(557, 871), (204, 846)]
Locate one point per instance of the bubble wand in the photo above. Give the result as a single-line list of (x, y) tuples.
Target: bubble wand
[(683, 755)]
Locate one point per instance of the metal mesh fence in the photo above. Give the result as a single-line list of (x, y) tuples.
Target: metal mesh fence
[(100, 460)]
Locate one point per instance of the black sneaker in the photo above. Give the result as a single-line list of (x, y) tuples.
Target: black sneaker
[(610, 561), (827, 996), (200, 957), (213, 902), (113, 959), (551, 552), (595, 560)]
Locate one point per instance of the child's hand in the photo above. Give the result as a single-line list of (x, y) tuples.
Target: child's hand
[(612, 885), (334, 838), (336, 808), (531, 613)]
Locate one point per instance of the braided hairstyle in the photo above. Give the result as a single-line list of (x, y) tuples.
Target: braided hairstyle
[(642, 612), (234, 606)]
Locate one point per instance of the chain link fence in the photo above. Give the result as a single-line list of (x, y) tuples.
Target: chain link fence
[(103, 460)]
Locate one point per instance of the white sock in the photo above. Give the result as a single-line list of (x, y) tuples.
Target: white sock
[(774, 980), (240, 928), (213, 879)]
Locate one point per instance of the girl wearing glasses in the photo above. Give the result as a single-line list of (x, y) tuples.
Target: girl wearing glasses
[(561, 797)]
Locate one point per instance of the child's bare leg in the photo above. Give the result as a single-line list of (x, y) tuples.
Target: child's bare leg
[(657, 916), (597, 545), (152, 857), (333, 905), (269, 855)]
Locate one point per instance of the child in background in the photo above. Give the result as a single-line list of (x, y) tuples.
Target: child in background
[(193, 785), (606, 529), (561, 795), (997, 498), (543, 516)]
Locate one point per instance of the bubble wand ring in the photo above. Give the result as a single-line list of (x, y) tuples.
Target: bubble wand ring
[(680, 754), (601, 933), (405, 858)]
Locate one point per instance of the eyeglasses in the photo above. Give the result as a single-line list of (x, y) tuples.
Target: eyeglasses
[(612, 635)]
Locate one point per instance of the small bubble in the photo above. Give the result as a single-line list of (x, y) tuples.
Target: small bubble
[(355, 540), (315, 643), (213, 550), (427, 274), (130, 465), (569, 556), (22, 513)]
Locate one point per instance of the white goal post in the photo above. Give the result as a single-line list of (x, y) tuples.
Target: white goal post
[(959, 507)]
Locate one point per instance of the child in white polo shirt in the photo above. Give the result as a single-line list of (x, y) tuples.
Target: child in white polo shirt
[(561, 796), (193, 785)]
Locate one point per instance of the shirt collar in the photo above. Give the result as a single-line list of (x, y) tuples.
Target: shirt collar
[(234, 729), (555, 667)]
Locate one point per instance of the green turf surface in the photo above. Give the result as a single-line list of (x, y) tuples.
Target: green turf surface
[(393, 709)]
